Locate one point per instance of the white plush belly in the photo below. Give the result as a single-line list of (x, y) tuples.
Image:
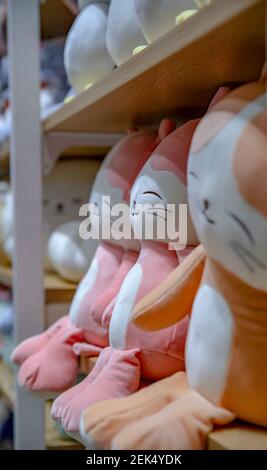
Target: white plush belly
[(123, 309), (209, 343)]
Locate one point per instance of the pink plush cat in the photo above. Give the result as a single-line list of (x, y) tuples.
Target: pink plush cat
[(49, 361), (134, 354)]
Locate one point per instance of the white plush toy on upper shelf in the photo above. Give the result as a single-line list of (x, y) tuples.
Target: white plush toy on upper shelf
[(65, 189), (157, 17), (86, 57), (124, 33)]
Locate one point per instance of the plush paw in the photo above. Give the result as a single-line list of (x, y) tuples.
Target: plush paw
[(32, 345), (183, 424), (54, 368), (116, 374), (65, 398)]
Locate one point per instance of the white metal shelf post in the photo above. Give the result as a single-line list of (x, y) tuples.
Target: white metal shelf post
[(26, 179)]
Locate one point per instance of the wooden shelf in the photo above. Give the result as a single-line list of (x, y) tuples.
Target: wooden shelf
[(54, 441), (7, 384), (223, 44), (56, 289), (238, 436)]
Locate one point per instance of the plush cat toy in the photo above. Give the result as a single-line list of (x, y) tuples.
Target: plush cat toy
[(134, 355), (86, 57), (62, 198), (227, 341), (157, 17), (124, 33), (102, 422), (50, 360)]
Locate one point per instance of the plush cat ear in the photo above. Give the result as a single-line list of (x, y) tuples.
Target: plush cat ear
[(219, 95), (166, 127)]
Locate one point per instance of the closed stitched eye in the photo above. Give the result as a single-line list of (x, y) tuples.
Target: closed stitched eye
[(152, 193)]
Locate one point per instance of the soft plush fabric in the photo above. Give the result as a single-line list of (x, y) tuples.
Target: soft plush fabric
[(85, 331), (86, 57), (155, 355), (157, 17), (69, 254), (227, 339), (124, 33), (101, 422)]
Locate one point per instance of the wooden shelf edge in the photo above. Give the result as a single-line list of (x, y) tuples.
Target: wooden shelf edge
[(54, 441), (56, 289), (238, 436), (207, 20)]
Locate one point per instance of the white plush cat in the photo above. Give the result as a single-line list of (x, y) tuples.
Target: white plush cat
[(62, 197), (86, 57), (124, 32), (157, 17)]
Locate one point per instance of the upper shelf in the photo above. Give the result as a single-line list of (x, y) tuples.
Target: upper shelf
[(223, 44)]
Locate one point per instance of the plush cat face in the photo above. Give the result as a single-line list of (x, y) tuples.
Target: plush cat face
[(114, 182), (227, 179), (161, 188), (64, 194)]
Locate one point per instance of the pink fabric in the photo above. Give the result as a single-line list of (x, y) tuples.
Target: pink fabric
[(133, 151), (154, 355), (32, 345), (104, 291), (161, 353), (116, 374), (172, 153), (54, 367)]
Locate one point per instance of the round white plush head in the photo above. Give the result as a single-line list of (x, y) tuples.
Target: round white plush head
[(111, 192), (159, 195), (86, 57), (227, 177)]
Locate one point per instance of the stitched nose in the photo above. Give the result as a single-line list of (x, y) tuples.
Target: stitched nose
[(206, 204)]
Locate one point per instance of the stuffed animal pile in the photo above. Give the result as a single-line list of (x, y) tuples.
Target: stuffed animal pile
[(106, 34), (225, 278)]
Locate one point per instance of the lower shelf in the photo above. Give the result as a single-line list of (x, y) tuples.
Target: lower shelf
[(54, 441), (238, 436)]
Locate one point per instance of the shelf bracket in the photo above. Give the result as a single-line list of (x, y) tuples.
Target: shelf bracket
[(55, 143)]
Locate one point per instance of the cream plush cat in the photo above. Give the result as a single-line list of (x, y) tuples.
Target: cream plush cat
[(157, 17), (62, 197), (124, 32), (86, 57)]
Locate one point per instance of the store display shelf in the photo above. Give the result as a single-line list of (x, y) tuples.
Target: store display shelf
[(222, 44), (56, 289), (238, 436), (54, 441)]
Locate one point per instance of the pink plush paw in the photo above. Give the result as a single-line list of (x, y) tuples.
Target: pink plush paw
[(34, 344), (54, 368), (117, 374), (65, 398)]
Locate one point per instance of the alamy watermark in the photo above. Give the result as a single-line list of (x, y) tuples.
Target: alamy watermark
[(141, 222)]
